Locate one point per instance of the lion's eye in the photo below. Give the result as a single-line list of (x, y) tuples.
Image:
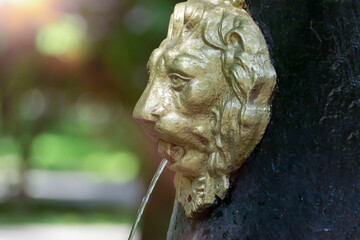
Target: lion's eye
[(178, 81)]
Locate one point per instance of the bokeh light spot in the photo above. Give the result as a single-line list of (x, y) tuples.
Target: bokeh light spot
[(33, 104), (91, 111), (64, 37), (138, 20), (20, 2)]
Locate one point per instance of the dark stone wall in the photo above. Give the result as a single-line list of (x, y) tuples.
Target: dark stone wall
[(303, 179)]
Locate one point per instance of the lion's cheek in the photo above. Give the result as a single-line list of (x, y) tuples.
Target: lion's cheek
[(198, 95)]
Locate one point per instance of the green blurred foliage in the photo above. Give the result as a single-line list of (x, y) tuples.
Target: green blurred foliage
[(62, 152), (68, 87), (9, 146), (42, 213)]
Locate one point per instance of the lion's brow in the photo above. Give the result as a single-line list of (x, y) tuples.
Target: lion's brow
[(169, 59), (198, 55), (153, 58)]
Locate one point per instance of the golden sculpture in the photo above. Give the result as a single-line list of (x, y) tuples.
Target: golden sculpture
[(207, 102)]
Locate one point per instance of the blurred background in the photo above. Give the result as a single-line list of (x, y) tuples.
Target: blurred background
[(73, 163)]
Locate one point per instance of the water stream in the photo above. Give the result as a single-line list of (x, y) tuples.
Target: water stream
[(147, 196)]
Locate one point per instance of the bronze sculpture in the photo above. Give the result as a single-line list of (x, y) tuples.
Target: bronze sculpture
[(207, 102)]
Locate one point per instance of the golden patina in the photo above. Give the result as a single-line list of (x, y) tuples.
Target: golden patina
[(207, 102)]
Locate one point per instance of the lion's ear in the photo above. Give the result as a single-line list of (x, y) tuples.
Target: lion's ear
[(233, 38), (255, 92), (238, 3), (261, 92)]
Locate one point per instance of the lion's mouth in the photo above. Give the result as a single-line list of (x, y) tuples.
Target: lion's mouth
[(171, 152)]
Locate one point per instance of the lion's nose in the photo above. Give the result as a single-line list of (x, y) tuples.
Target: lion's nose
[(149, 108)]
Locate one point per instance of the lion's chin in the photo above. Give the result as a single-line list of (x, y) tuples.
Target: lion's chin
[(171, 152), (188, 161)]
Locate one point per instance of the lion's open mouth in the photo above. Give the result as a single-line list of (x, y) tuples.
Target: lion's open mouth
[(171, 152)]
